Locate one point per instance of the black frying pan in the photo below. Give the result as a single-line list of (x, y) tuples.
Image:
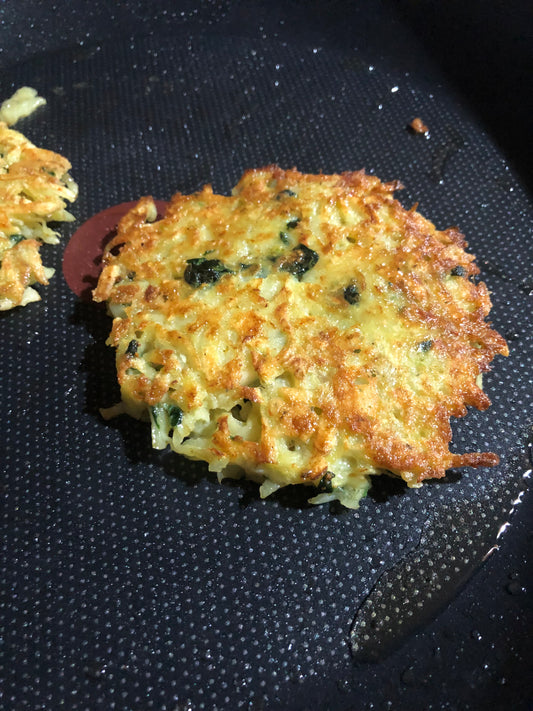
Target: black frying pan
[(132, 580)]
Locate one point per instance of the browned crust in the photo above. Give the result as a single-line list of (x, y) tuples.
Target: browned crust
[(33, 191), (399, 259)]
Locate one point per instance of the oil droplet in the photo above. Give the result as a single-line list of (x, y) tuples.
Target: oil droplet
[(187, 706), (95, 670), (343, 685), (408, 676), (515, 588), (443, 153), (512, 335), (526, 287), (437, 654)]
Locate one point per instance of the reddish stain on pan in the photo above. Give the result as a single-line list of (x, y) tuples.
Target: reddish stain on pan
[(82, 258)]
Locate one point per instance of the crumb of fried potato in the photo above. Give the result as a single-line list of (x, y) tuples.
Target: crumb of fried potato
[(418, 126)]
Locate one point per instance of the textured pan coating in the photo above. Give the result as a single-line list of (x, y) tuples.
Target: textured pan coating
[(306, 329), (34, 188)]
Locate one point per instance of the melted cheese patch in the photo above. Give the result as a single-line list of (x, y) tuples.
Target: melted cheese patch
[(306, 329)]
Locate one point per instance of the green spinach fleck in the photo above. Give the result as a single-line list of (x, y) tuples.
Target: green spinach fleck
[(204, 271), (325, 485), (299, 261)]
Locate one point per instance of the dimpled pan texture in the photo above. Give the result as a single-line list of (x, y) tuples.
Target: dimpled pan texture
[(132, 579)]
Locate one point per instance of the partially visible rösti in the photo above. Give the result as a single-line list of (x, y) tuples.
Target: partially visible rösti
[(306, 329), (34, 188)]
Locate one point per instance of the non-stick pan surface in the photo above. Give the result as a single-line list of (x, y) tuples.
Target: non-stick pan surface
[(131, 579)]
